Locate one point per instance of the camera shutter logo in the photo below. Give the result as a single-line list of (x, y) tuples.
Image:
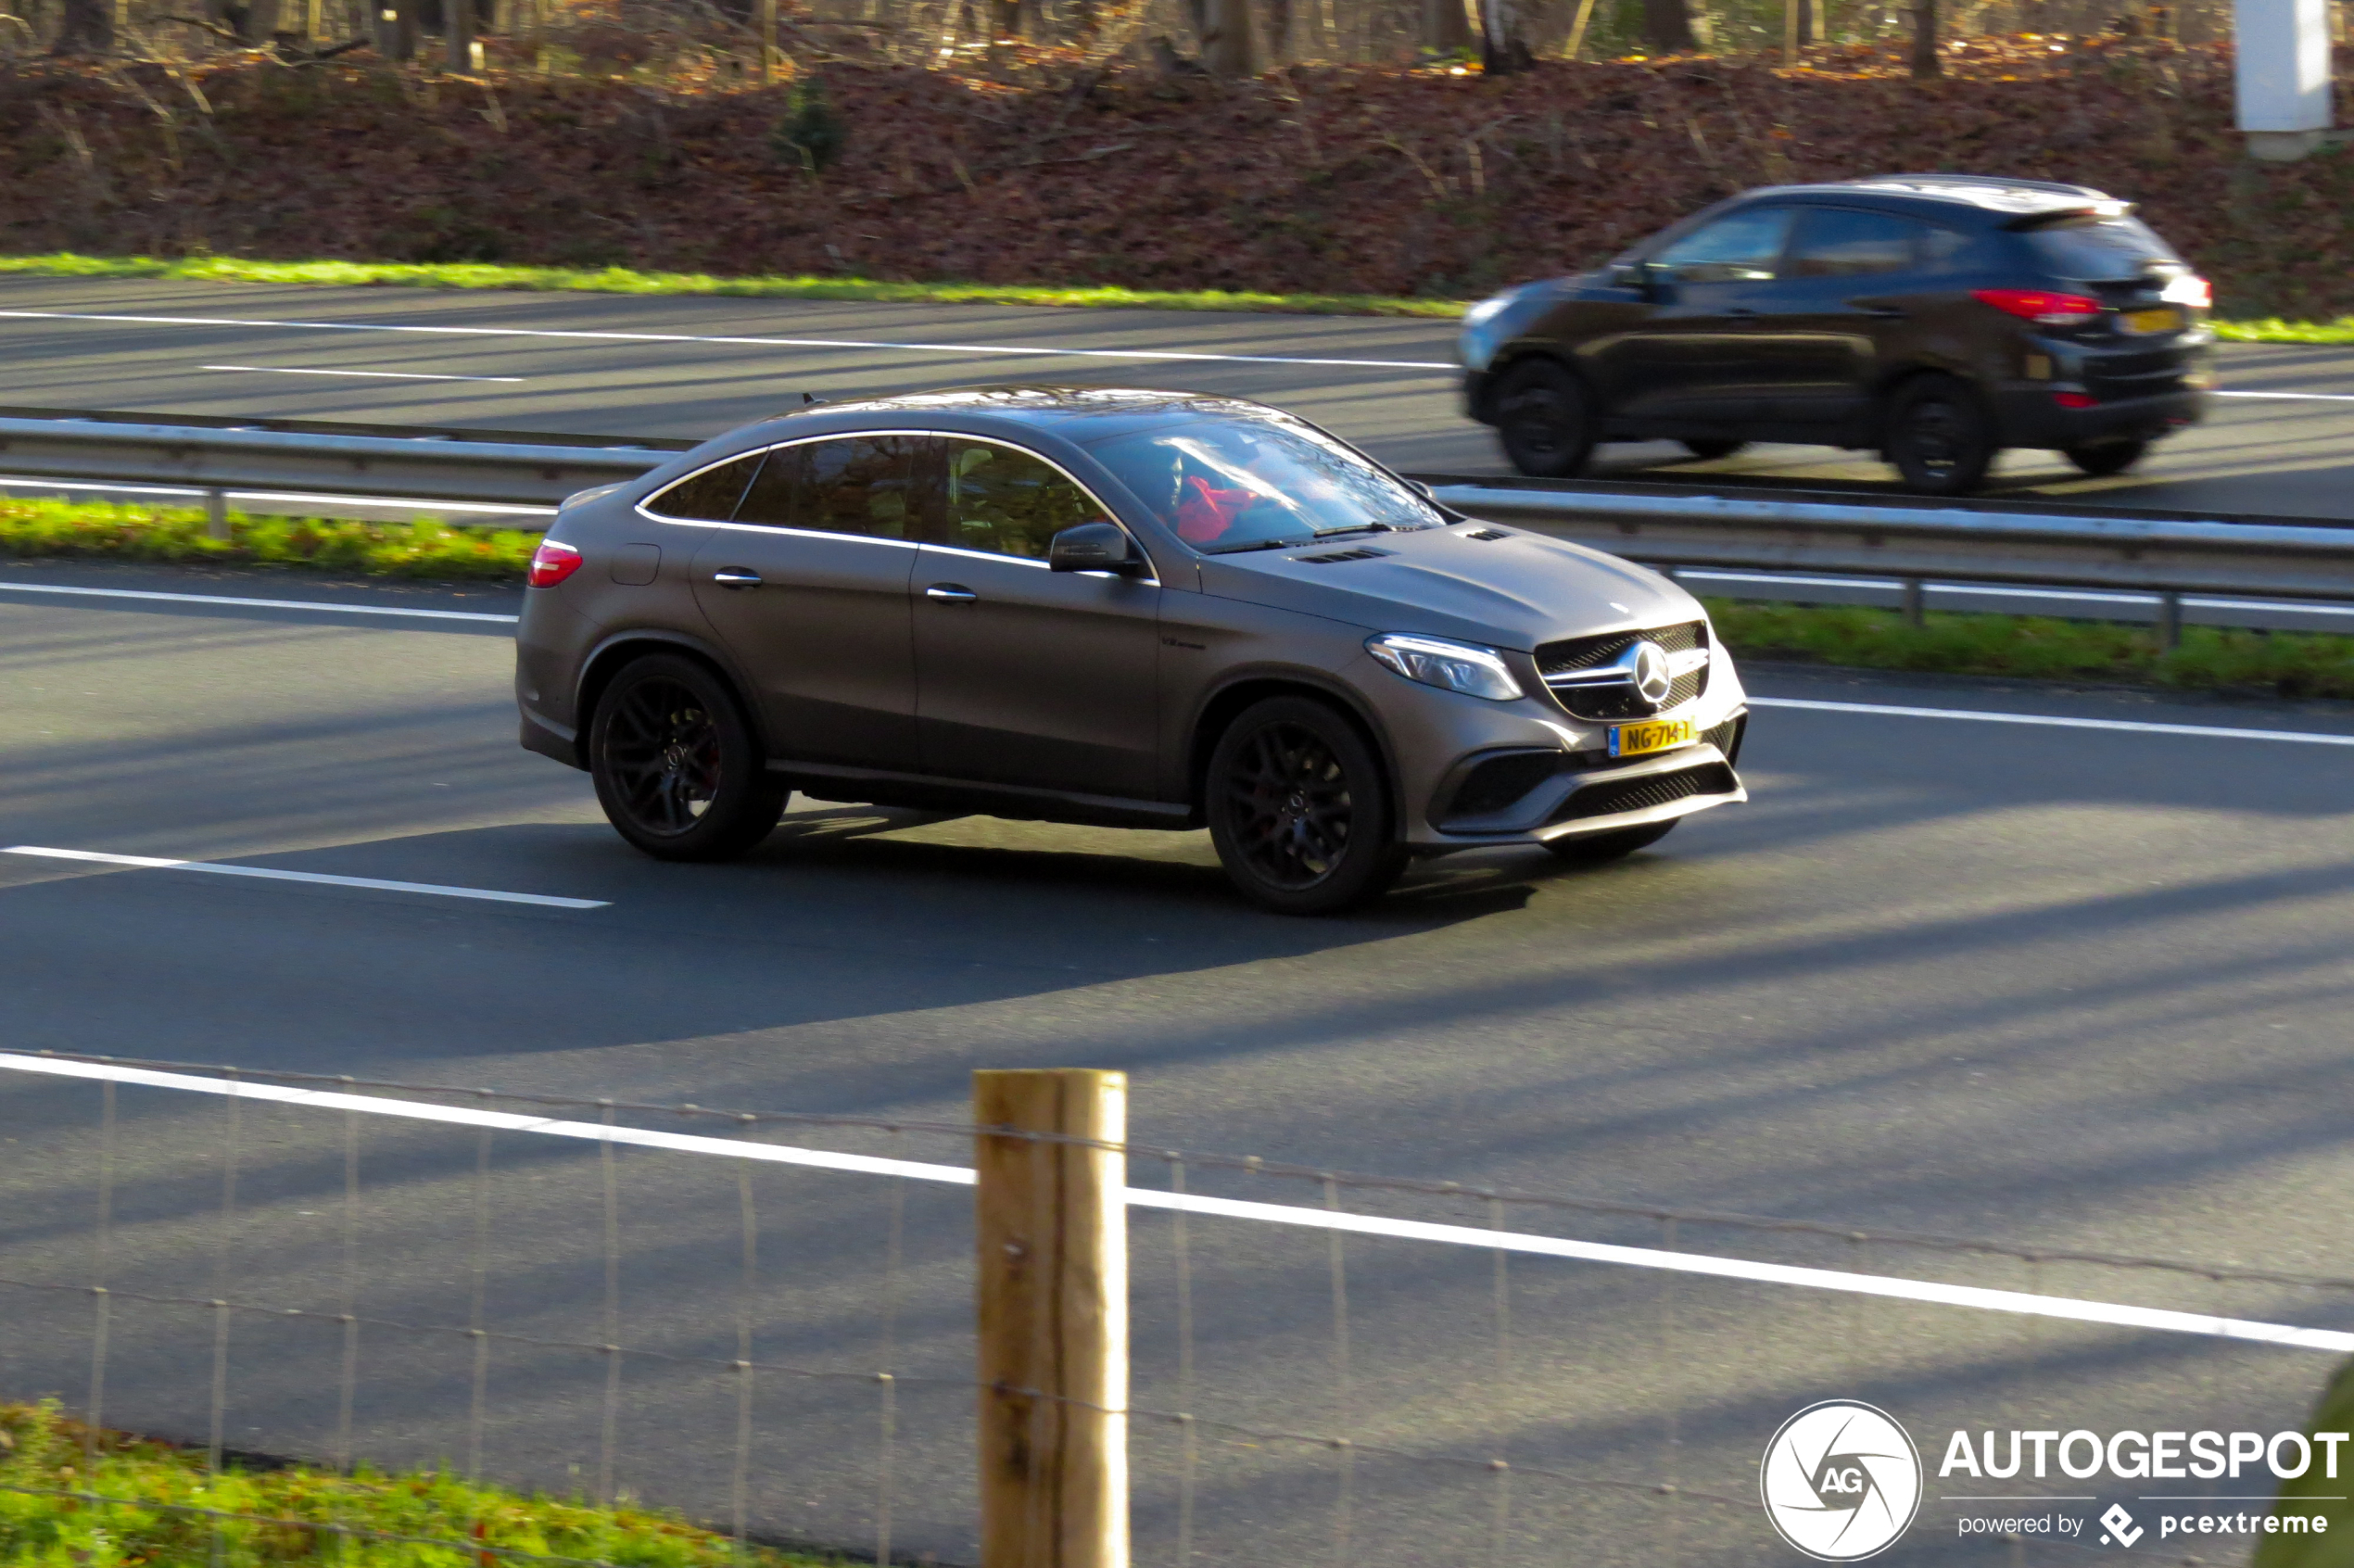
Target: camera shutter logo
[(1841, 1480)]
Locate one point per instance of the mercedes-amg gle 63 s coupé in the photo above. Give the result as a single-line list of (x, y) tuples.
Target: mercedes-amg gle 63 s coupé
[(1145, 609)]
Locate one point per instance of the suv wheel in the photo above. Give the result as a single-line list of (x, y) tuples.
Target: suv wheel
[(1939, 438), (1299, 809), (1545, 420), (1713, 449), (676, 765), (2107, 458)]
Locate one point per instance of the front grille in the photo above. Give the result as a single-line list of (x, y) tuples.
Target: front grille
[(1585, 652), (1612, 796), (1496, 783)]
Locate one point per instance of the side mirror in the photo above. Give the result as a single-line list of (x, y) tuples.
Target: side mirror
[(1093, 546), (1640, 276), (1422, 489)]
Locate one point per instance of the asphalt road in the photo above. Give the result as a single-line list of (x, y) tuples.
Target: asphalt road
[(691, 367), (2069, 987)]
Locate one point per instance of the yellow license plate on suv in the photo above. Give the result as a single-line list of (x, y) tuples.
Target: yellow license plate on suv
[(1641, 739), (2166, 320)]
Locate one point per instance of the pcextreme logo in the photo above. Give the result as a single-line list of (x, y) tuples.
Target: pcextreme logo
[(1840, 1481)]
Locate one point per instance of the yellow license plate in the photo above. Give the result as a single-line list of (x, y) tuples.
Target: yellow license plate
[(2152, 320), (1641, 739)]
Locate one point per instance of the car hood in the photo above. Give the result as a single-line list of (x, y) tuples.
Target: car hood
[(1510, 592)]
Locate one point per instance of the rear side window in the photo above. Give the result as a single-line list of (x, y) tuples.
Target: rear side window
[(1007, 502), (1739, 248), (867, 486), (1834, 241), (2099, 249), (708, 497)]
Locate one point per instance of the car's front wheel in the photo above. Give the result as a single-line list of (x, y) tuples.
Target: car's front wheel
[(1545, 420), (2108, 457), (1938, 438), (676, 765), (1299, 809), (1713, 449)]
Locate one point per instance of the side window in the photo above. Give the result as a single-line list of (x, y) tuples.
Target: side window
[(1741, 248), (708, 497), (863, 485), (1834, 241), (1009, 502), (1940, 246)]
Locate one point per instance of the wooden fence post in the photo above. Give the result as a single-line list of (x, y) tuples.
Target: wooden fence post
[(1051, 1223)]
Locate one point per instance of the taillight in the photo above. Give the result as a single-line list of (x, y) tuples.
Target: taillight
[(2075, 399), (2191, 290), (552, 564), (2036, 305)]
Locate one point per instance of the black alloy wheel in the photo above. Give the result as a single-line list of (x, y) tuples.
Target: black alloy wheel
[(1299, 809), (1713, 449), (675, 766), (1597, 849), (2107, 457), (1545, 419), (1938, 438)]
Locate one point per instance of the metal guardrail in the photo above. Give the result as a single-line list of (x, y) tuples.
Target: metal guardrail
[(1994, 543)]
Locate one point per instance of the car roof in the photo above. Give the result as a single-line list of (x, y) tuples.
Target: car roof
[(2007, 201), (1079, 413)]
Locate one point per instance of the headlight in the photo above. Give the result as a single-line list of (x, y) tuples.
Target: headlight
[(1485, 309), (1454, 666)]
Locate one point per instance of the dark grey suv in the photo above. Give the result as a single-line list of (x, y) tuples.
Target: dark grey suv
[(1146, 609), (1935, 318)]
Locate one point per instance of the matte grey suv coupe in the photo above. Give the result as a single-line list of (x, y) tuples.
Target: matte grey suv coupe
[(1145, 609)]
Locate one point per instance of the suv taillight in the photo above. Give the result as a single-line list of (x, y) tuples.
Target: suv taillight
[(2036, 305), (552, 564), (2191, 290)]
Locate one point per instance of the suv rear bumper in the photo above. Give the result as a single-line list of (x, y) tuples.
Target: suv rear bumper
[(2029, 418)]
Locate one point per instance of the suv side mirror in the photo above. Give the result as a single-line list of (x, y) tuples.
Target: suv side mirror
[(1093, 546)]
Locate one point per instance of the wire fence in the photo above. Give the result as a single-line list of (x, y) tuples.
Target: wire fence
[(616, 1300)]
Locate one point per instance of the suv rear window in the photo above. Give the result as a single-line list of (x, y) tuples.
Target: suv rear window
[(2099, 249)]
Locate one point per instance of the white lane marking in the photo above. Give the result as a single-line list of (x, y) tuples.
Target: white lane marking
[(2089, 596), (377, 375), (2295, 397), (751, 342), (98, 486), (142, 862), (259, 603), (2067, 1308), (2054, 722)]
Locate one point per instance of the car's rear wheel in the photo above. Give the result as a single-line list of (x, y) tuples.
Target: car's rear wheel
[(1709, 450), (676, 765), (1299, 809), (1939, 436), (1596, 848), (1545, 419), (2106, 458)]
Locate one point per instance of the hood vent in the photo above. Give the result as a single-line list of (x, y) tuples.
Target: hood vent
[(1363, 552), (1487, 533)]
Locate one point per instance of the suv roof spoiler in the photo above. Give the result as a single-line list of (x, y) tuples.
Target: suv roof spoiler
[(2029, 202)]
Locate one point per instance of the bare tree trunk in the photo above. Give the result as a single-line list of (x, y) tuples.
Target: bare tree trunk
[(1502, 47), (1444, 27), (1926, 65), (1228, 44), (1667, 25), (1279, 23), (86, 28)]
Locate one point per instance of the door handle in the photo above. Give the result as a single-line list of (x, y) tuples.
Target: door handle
[(1741, 313), (950, 593), (1884, 312), (736, 577)]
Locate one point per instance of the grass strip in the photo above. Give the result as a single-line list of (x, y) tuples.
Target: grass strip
[(175, 1515), (624, 280), (2220, 659), (423, 547)]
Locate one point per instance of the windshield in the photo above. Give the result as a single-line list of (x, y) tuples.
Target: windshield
[(1254, 483), (2099, 249)]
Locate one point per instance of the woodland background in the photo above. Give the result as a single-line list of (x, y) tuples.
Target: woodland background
[(1101, 141)]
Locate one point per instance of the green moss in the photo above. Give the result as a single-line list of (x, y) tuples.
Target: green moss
[(423, 548), (2275, 330), (2211, 658), (177, 1515)]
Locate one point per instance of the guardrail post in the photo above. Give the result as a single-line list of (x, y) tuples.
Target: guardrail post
[(1051, 1226), (2170, 621), (1915, 603), (216, 514)]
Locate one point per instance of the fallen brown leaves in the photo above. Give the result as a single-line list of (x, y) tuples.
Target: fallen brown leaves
[(1336, 181)]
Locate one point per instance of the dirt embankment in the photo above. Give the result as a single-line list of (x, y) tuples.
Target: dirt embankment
[(1382, 182)]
